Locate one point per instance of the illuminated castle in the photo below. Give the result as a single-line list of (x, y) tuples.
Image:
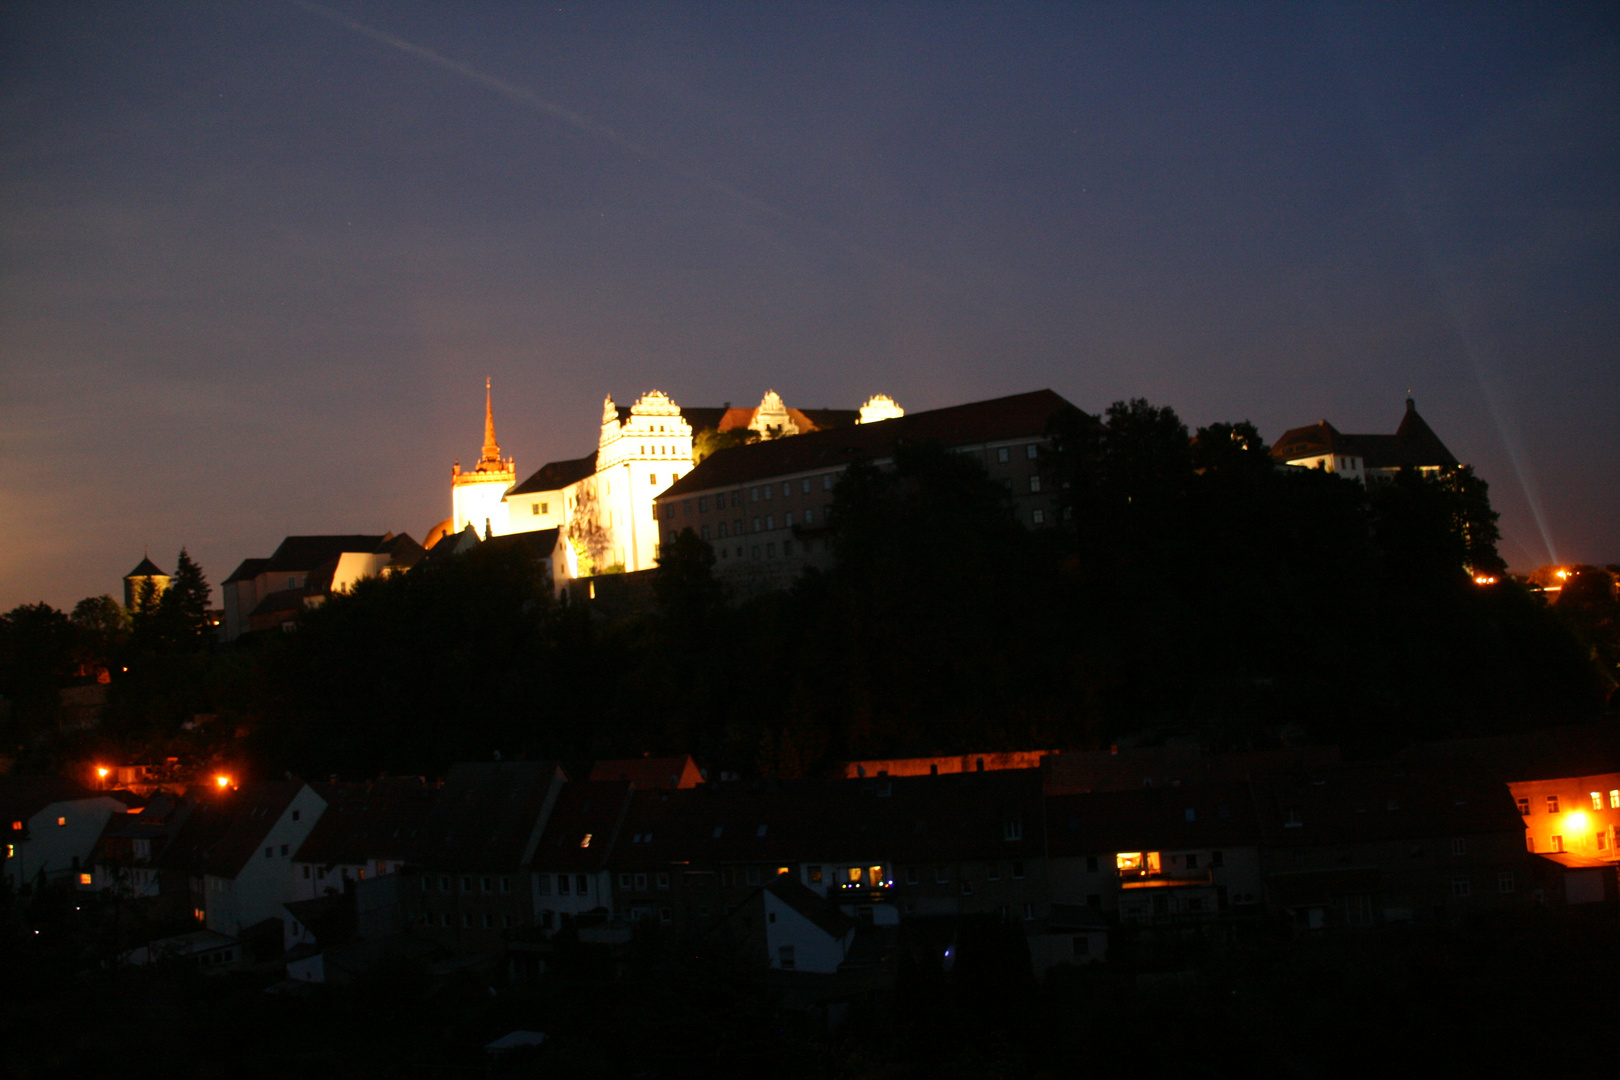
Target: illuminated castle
[(602, 504)]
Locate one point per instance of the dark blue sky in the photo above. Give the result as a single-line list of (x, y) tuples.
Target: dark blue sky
[(258, 257)]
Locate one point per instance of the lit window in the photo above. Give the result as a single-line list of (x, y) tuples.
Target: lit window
[(84, 879), (1597, 800), (1552, 804), (1524, 807), (61, 821), (586, 841), (652, 478), (1614, 798), (16, 826), (1557, 844)]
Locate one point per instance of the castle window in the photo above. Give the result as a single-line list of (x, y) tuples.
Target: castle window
[(704, 532), (787, 519), (686, 507), (721, 529), (545, 508), (652, 478), (804, 485), (703, 504), (787, 488), (753, 494), (1001, 455), (826, 482), (1031, 451), (1038, 517), (809, 515), (1034, 483), (534, 508), (770, 522), (756, 524)]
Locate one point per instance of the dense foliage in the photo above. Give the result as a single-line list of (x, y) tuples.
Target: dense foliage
[(1184, 586)]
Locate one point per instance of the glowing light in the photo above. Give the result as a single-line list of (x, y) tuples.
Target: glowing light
[(1563, 574), (1575, 821), (222, 781), (1484, 579), (102, 771)]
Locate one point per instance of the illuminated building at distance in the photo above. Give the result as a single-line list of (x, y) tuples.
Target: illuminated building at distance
[(603, 503)]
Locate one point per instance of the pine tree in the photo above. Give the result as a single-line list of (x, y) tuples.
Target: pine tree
[(183, 608)]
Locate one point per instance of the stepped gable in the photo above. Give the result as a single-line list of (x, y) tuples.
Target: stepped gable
[(556, 475), (1018, 416)]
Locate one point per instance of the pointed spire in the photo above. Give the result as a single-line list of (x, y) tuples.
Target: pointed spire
[(492, 451)]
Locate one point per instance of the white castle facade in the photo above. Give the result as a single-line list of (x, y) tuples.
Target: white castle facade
[(602, 504)]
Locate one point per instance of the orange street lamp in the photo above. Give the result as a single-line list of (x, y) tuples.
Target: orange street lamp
[(222, 781)]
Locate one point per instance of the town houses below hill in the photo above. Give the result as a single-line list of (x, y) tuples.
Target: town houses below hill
[(323, 881)]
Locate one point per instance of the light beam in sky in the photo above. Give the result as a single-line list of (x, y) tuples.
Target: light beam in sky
[(522, 95)]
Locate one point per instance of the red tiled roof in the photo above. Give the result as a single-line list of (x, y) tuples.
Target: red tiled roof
[(670, 772), (1018, 416)]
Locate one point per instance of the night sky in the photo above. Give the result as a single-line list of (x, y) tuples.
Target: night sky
[(259, 257)]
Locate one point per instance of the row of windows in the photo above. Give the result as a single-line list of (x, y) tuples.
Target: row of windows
[(765, 551), (581, 883), (1596, 796), (760, 524), (485, 884), (485, 921)]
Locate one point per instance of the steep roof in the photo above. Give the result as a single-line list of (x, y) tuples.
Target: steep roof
[(820, 913), (250, 569), (582, 829), (487, 816), (307, 552), (543, 542), (1414, 444), (964, 815), (1549, 754), (1144, 819), (225, 829), (21, 797), (1018, 416), (146, 568), (367, 821), (556, 475)]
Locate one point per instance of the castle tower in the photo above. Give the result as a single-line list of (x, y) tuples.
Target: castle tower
[(771, 419), (475, 495), (138, 577)]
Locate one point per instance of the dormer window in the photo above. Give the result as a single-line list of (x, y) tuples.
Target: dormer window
[(586, 842)]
